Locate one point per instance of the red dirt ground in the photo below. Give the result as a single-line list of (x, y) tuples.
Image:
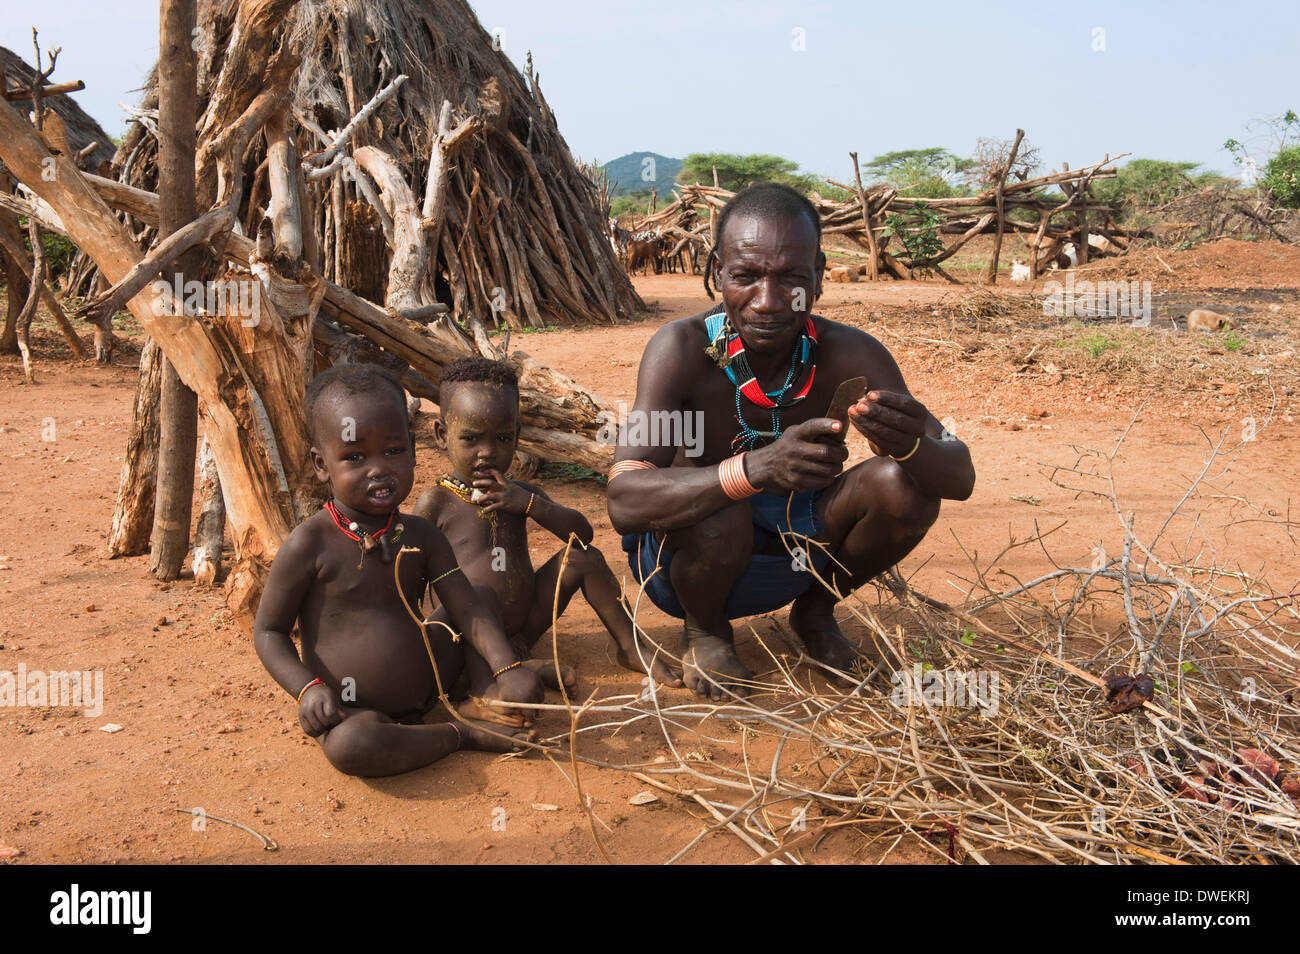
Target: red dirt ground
[(203, 726)]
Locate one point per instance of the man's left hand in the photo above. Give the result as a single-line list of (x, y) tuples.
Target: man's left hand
[(891, 422)]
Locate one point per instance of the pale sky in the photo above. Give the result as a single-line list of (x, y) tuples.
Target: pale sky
[(812, 80)]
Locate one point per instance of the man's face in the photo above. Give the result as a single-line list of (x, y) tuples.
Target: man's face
[(769, 272), (479, 429), (365, 452)]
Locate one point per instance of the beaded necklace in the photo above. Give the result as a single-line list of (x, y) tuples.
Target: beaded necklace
[(727, 349), (368, 541), (467, 494)]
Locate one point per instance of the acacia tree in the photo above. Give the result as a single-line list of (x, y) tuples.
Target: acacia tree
[(737, 171), (930, 173)]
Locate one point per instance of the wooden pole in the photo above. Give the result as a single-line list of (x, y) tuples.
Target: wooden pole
[(177, 207), (991, 275), (873, 270)]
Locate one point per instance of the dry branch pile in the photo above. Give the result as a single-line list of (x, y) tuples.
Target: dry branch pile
[(1004, 726), (1210, 213), (1055, 221)]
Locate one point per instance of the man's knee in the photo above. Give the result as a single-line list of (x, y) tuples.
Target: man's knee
[(902, 501), (722, 539)]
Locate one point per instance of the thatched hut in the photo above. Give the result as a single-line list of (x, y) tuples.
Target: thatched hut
[(522, 241)]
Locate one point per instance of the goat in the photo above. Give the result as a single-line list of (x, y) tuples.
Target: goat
[(1202, 319), (642, 254), (1019, 271)]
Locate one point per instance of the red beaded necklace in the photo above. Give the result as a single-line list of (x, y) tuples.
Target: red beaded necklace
[(352, 530)]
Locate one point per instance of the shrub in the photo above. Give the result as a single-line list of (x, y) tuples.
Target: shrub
[(1282, 178)]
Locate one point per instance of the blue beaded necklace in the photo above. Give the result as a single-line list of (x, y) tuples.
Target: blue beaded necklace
[(748, 438), (727, 349)]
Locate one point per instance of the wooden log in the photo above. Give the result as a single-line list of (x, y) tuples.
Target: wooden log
[(362, 254), (209, 530), (553, 227), (445, 142), (133, 514), (169, 249), (410, 255), (178, 405), (16, 284), (45, 89)]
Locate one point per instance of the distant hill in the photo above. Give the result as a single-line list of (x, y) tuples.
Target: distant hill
[(626, 173)]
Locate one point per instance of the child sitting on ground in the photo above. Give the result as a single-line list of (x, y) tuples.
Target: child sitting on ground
[(365, 682), (485, 517)]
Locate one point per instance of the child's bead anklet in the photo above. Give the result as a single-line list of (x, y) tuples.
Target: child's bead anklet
[(314, 682), (460, 739), (517, 662)]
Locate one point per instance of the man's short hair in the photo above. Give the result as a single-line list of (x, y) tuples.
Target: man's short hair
[(349, 379), (477, 370), (768, 200)]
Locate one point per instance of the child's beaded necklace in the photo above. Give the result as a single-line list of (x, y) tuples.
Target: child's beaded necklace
[(368, 541), (466, 493)]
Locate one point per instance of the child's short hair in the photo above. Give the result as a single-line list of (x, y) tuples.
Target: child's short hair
[(478, 371), (350, 379)]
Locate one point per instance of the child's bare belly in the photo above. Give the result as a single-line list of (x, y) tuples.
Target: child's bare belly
[(382, 655), (509, 574)]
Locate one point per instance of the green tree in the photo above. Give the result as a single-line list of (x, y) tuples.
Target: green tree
[(924, 173), (736, 171)]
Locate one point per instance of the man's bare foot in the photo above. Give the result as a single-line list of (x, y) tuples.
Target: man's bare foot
[(545, 670), (660, 671), (711, 667), (480, 736), (813, 621)]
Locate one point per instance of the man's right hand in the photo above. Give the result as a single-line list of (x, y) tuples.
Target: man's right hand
[(806, 457), (319, 710)]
